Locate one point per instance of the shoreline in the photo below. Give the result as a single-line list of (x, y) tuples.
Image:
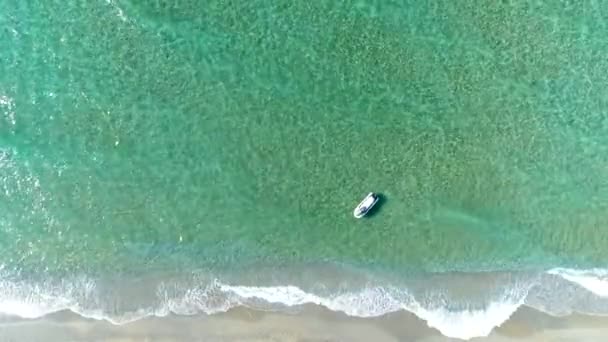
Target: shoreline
[(312, 323), (461, 306)]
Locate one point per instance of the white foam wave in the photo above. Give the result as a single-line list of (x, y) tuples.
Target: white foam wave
[(452, 316), (34, 300), (593, 280), (371, 302), (84, 298), (467, 324)]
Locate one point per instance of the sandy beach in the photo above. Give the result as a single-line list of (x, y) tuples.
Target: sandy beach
[(311, 324)]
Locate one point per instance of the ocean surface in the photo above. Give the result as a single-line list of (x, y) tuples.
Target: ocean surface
[(186, 157)]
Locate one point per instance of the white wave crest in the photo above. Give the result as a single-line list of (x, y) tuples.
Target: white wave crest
[(85, 298), (593, 280), (467, 324), (454, 317), (35, 300), (371, 302)]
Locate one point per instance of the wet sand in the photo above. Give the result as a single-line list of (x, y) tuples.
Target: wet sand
[(311, 324)]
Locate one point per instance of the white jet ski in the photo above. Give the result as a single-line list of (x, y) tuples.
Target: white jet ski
[(366, 205)]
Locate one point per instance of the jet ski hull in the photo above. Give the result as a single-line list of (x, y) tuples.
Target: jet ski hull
[(366, 205)]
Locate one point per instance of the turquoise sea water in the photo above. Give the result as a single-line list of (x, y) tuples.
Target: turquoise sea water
[(180, 142)]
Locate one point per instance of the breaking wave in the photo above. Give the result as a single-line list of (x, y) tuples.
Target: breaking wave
[(453, 316), (593, 280)]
